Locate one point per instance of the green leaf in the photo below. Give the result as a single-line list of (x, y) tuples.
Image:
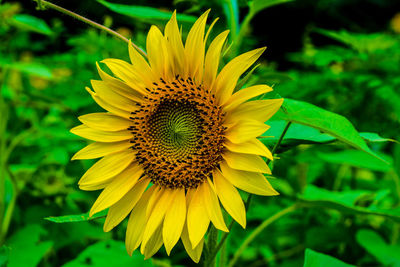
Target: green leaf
[(346, 202), (323, 120), (108, 253), (356, 158), (374, 137), (27, 248), (28, 68), (76, 218), (316, 259), (375, 245), (258, 5), (144, 12), (31, 23)]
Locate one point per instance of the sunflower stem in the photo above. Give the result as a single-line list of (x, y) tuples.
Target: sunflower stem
[(211, 246), (42, 5), (280, 139), (259, 229)]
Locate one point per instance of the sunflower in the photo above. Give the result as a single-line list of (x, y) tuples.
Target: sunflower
[(176, 140)]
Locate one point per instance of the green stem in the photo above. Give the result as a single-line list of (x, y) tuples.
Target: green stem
[(258, 230), (10, 208), (232, 19), (42, 4), (280, 139), (211, 244), (243, 28)]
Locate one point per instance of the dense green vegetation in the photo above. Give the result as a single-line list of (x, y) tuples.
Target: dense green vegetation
[(337, 168)]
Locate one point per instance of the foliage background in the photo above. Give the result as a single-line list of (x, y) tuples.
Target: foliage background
[(342, 56)]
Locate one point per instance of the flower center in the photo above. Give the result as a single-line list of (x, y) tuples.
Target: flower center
[(178, 133)]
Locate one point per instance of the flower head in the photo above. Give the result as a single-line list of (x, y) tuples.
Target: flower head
[(176, 141)]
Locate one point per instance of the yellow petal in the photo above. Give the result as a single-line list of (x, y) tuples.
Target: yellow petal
[(140, 64), (245, 94), (253, 146), (245, 130), (109, 107), (197, 218), (127, 73), (194, 253), (118, 188), (137, 222), (175, 44), (213, 208), (157, 215), (252, 182), (96, 186), (229, 75), (154, 244), (174, 220), (103, 90), (212, 59), (99, 149), (101, 136), (157, 52), (107, 167), (246, 162), (195, 46), (230, 198), (121, 209), (105, 122), (261, 110), (119, 86)]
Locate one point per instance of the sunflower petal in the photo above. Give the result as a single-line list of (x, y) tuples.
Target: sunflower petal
[(103, 90), (194, 253), (118, 188), (229, 75), (253, 146), (137, 222), (140, 64), (230, 198), (245, 130), (101, 136), (121, 209), (157, 52), (175, 44), (261, 110), (107, 167), (246, 162), (154, 244), (105, 122), (197, 218), (213, 208), (174, 220), (252, 182), (99, 149), (245, 94)]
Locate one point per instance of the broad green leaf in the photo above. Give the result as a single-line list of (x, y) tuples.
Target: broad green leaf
[(375, 245), (323, 120), (76, 218), (345, 202), (108, 253), (28, 68), (316, 259), (374, 137), (258, 5), (31, 23), (144, 12), (27, 247), (356, 158)]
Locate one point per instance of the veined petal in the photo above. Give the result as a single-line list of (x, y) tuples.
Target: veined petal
[(119, 86), (101, 136), (141, 65), (137, 222), (157, 215), (174, 221), (126, 72), (261, 110), (212, 206), (245, 94), (109, 107), (118, 188), (99, 149), (194, 253), (253, 146), (252, 182), (212, 59), (195, 46), (107, 167), (154, 244), (121, 209), (245, 130), (197, 218), (175, 44), (157, 52), (246, 162), (105, 122), (229, 75), (230, 198), (115, 99), (96, 186)]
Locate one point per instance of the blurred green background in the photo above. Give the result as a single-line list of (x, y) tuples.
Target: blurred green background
[(340, 55)]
